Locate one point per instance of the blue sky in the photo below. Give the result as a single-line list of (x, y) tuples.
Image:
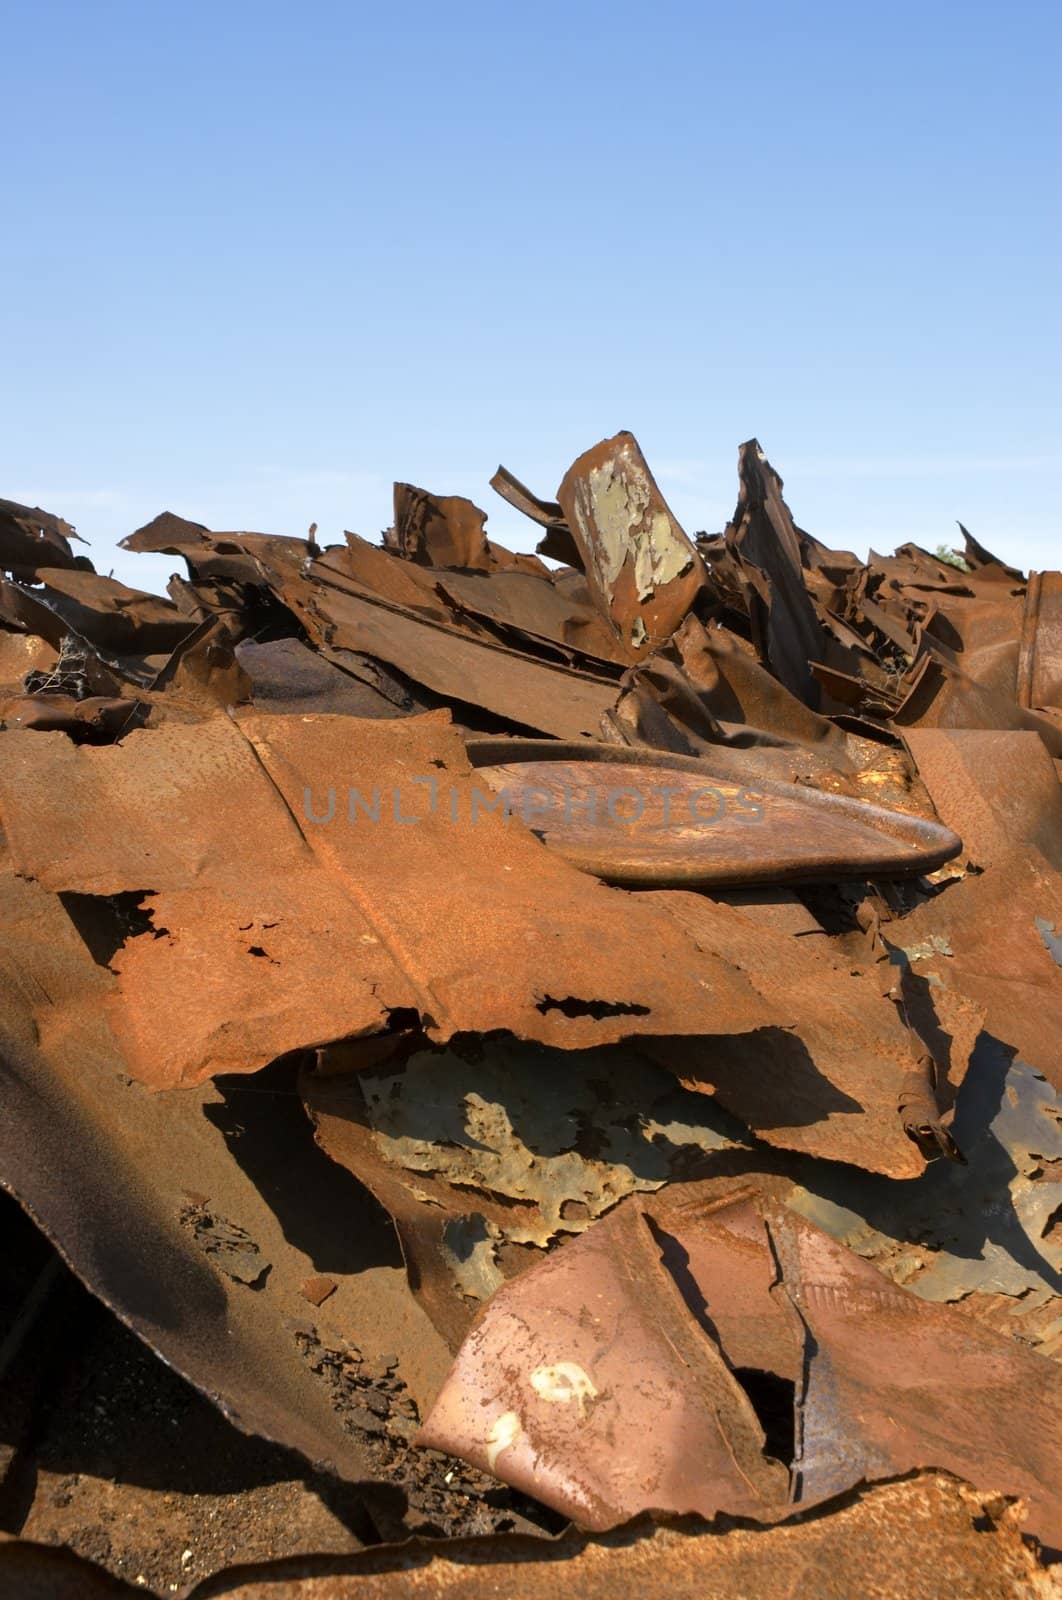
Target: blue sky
[(263, 259)]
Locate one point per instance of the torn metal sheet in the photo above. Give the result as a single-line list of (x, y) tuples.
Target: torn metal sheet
[(373, 603), (893, 1382), (515, 606), (644, 571), (557, 543), (547, 513), (705, 688), (767, 546), (531, 612), (95, 720), (439, 530), (488, 1149), (26, 608), (941, 696), (984, 563), (511, 1124), (373, 572), (118, 620), (540, 1393), (279, 848), (830, 1083), (492, 1146), (241, 557), (1001, 790), (32, 538), (1039, 670), (587, 1384), (116, 1176), (201, 677), (521, 1063), (980, 635), (982, 1229), (526, 692)]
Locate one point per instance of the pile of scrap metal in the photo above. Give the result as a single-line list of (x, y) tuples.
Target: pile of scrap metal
[(663, 935)]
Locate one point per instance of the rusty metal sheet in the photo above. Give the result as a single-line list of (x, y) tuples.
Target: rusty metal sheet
[(637, 818), (483, 1150), (169, 786), (29, 609), (439, 530), (505, 560), (967, 1234), (643, 570), (766, 544), (705, 689), (95, 720), (830, 1083), (717, 1249), (1039, 671), (940, 695), (32, 538), (980, 635), (927, 1537), (202, 674), (527, 692), (363, 568), (534, 611), (547, 513), (913, 572), (488, 1152), (587, 1384), (979, 935), (893, 1383), (21, 653), (172, 535), (984, 563), (513, 1058), (252, 877), (513, 605), (557, 543), (167, 534), (109, 1170), (889, 1383), (115, 618)]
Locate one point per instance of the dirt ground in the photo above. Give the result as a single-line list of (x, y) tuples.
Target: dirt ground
[(106, 1450)]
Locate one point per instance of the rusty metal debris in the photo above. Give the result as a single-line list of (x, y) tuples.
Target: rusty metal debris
[(610, 1011), (929, 1536), (643, 570), (589, 1380), (644, 819)]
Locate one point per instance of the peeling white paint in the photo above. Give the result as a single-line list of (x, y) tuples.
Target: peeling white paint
[(563, 1382), (614, 501), (504, 1431)]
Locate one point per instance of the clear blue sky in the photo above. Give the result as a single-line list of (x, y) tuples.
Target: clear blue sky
[(262, 259)]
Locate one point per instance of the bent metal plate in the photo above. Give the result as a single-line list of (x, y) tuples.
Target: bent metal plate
[(642, 822)]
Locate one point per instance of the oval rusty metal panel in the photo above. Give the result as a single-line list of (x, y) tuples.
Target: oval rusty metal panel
[(645, 819)]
